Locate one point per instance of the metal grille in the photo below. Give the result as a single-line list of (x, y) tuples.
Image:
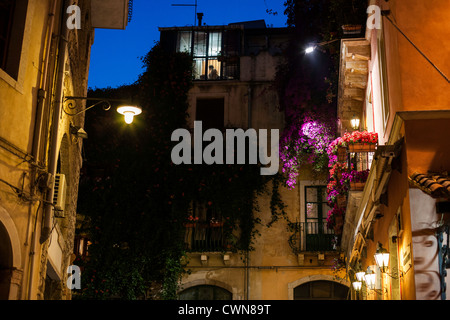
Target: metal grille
[(203, 236), (312, 236)]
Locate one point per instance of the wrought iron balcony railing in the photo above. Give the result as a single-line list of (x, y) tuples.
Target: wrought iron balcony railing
[(312, 236), (204, 237), (307, 236)]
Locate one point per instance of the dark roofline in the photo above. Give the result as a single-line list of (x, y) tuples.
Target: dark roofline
[(228, 27), (245, 25), (189, 28), (254, 24)]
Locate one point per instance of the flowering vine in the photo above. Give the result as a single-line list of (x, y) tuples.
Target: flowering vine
[(356, 176), (342, 174), (305, 142)]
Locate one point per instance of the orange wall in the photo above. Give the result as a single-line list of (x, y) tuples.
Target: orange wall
[(414, 85), (398, 198), (428, 145), (427, 24), (413, 82)]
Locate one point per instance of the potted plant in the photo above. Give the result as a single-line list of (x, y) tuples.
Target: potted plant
[(350, 15), (351, 29), (191, 222), (357, 179), (214, 223), (361, 141)]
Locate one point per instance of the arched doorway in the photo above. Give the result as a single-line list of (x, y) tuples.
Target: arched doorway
[(321, 290), (205, 292), (6, 263)]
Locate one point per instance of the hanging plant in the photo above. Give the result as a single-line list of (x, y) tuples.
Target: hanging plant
[(364, 137), (356, 176)]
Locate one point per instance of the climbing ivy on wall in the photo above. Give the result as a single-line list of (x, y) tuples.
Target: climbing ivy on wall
[(136, 200)]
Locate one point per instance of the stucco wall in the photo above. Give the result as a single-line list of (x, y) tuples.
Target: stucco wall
[(21, 199)]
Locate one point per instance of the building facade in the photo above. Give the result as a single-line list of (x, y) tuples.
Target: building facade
[(395, 80), (44, 54), (234, 71)]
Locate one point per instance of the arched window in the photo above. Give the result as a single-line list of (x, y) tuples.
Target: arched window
[(5, 263), (321, 290), (205, 292)]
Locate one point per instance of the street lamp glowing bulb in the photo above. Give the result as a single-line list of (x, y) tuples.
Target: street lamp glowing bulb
[(309, 49), (128, 117), (129, 112)]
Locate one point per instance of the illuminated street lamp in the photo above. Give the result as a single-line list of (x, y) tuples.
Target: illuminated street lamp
[(312, 47), (382, 258), (355, 122), (128, 111), (370, 278), (359, 273), (357, 285)]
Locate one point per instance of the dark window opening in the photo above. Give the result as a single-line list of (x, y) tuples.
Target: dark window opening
[(12, 27), (205, 292), (211, 113), (321, 290), (6, 263)]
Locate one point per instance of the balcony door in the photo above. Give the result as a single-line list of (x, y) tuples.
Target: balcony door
[(318, 236)]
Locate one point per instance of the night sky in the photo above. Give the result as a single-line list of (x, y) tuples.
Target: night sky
[(115, 56)]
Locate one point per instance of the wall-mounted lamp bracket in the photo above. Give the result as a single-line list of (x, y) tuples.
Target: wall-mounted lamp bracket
[(99, 102), (128, 111)]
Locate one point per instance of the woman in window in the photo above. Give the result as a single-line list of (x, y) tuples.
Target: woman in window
[(212, 75)]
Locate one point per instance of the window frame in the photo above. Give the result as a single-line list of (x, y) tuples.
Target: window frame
[(321, 216), (219, 59), (14, 38), (16, 80), (315, 234)]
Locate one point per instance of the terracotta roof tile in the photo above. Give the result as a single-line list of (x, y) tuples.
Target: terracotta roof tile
[(436, 185)]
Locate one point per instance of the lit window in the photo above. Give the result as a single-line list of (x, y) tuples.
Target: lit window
[(215, 58), (184, 42)]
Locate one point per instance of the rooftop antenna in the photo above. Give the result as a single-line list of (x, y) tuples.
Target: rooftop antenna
[(189, 5)]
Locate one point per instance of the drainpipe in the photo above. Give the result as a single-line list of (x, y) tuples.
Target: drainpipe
[(250, 97), (38, 134), (248, 275), (43, 86), (53, 156)]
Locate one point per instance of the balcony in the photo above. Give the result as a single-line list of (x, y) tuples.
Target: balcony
[(312, 236), (205, 237)]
